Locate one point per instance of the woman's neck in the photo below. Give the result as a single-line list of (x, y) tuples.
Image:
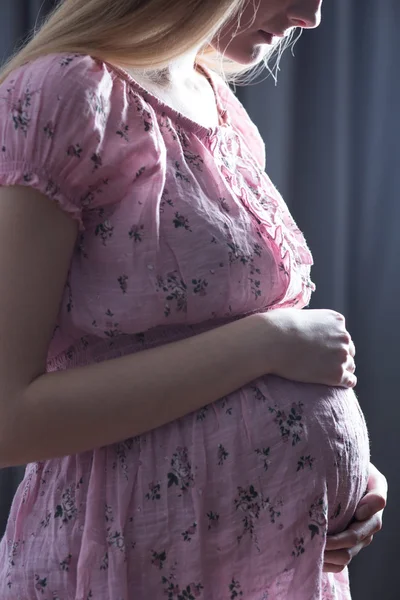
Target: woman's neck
[(180, 70)]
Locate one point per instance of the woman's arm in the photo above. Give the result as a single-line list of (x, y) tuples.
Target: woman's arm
[(61, 413), (45, 415)]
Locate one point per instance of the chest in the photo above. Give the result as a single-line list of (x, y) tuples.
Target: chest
[(199, 107), (184, 247), (196, 102)]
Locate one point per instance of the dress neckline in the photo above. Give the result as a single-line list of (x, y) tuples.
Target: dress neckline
[(188, 123)]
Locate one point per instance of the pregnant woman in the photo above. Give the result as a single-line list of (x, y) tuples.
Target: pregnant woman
[(189, 431)]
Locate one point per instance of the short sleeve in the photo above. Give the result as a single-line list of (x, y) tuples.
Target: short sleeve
[(64, 131)]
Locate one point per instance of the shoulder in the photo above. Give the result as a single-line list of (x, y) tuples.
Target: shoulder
[(57, 92), (48, 77), (75, 86), (70, 120), (58, 70)]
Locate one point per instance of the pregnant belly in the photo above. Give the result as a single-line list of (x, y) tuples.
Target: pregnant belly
[(249, 484), (288, 442), (316, 435)]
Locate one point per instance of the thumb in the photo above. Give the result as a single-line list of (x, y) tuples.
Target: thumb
[(372, 503)]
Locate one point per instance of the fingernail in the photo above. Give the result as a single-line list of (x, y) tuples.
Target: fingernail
[(362, 513)]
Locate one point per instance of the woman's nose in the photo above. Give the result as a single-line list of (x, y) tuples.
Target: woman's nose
[(306, 14)]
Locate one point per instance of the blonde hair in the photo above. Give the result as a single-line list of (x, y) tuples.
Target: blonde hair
[(138, 34)]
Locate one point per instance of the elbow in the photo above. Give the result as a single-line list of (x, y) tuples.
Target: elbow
[(8, 455), (12, 441), (8, 458)]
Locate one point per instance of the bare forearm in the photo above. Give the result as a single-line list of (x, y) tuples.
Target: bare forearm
[(72, 411)]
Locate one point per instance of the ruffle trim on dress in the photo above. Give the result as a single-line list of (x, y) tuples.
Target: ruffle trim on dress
[(275, 223)]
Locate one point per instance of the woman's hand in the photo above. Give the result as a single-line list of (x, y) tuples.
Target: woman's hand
[(311, 346), (342, 548)]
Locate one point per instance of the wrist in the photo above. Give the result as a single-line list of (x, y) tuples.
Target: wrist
[(262, 341)]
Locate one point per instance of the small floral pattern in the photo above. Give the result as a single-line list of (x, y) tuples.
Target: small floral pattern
[(65, 564), (305, 462), (173, 591), (67, 510), (263, 453), (290, 424), (317, 514), (181, 471), (189, 532), (180, 230), (235, 589), (222, 454), (250, 502), (298, 547), (154, 491), (202, 413), (158, 559), (136, 233), (213, 520), (122, 451), (175, 292)]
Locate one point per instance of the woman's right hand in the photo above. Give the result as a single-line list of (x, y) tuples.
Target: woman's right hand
[(311, 346)]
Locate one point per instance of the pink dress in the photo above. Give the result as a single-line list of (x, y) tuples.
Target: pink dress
[(181, 231)]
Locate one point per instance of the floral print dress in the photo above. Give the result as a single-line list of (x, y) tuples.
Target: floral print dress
[(180, 231)]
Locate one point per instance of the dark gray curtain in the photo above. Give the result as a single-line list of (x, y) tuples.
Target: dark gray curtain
[(332, 127), (17, 18)]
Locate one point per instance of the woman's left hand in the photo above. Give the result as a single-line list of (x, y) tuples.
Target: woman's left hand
[(342, 548)]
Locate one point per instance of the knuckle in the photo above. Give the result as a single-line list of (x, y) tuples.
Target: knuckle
[(352, 366), (332, 568), (341, 318), (347, 556), (353, 539), (340, 568), (340, 370), (338, 316), (378, 526), (338, 375), (368, 540), (342, 354), (382, 496), (345, 338)]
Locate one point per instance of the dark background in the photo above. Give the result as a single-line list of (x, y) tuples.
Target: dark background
[(332, 128)]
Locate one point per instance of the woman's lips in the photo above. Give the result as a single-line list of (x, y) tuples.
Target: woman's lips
[(268, 37), (265, 36)]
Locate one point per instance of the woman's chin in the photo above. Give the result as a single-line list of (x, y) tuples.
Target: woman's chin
[(251, 55)]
